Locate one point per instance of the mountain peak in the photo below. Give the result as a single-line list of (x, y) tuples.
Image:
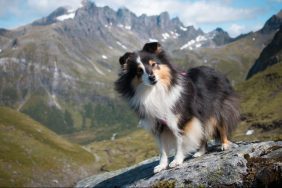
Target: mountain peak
[(164, 14), (279, 14), (124, 12), (273, 23), (220, 36), (123, 9), (51, 18), (87, 3), (218, 29)]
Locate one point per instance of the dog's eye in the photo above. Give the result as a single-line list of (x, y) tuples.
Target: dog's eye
[(139, 70), (154, 64)]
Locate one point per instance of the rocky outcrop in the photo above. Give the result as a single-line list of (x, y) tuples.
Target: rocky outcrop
[(269, 56), (248, 165), (220, 37), (272, 24)]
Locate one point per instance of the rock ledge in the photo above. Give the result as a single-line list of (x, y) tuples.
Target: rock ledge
[(250, 165)]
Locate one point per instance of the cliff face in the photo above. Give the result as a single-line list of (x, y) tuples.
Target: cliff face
[(270, 55), (248, 165)]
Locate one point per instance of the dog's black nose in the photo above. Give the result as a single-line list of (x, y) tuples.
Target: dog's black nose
[(152, 79)]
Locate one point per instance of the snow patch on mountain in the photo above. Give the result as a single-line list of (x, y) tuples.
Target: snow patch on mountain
[(66, 16), (69, 15), (183, 28), (197, 42), (165, 36), (128, 27)]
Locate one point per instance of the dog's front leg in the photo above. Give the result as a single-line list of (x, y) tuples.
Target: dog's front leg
[(162, 140), (179, 156), (157, 130)]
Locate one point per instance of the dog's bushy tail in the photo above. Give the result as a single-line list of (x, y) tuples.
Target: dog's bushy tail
[(230, 113)]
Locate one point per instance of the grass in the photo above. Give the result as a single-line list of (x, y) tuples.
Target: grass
[(261, 99), (123, 152), (32, 155)]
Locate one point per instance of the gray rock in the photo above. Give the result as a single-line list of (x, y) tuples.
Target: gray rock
[(249, 165)]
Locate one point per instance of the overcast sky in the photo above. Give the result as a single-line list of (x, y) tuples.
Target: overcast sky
[(234, 16)]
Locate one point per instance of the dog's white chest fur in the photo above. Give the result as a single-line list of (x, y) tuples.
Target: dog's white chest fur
[(156, 101)]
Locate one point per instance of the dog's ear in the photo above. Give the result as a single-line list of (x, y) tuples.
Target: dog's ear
[(123, 59), (153, 47)]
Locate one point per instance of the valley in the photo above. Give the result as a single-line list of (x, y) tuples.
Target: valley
[(57, 93)]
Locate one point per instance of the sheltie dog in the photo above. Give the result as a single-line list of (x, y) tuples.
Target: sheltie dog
[(182, 110)]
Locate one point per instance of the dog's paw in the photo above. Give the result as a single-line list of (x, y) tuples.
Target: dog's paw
[(159, 168), (225, 146), (175, 163), (198, 154), (228, 145)]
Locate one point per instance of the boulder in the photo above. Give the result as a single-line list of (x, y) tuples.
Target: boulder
[(255, 164)]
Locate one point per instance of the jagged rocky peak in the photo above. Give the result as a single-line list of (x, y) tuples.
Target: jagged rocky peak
[(125, 17), (273, 23), (163, 20), (3, 31), (124, 12), (279, 14), (88, 5), (51, 18), (219, 30), (220, 37), (176, 21), (269, 56)]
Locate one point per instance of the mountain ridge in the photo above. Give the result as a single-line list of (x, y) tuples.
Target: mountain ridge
[(270, 55)]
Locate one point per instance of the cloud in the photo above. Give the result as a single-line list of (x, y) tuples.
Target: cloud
[(9, 7), (236, 29), (190, 12), (204, 13), (46, 6)]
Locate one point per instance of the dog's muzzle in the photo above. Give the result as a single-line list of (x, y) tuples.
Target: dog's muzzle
[(152, 79)]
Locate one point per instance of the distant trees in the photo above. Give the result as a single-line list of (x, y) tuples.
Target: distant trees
[(114, 115), (59, 121)]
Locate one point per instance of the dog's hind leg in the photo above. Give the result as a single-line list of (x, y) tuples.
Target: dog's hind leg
[(225, 143), (202, 150)]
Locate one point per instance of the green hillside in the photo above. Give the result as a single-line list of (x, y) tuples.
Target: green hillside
[(32, 155), (125, 151), (233, 59), (261, 105)]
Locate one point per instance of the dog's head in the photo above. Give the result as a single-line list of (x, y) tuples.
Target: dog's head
[(148, 66)]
